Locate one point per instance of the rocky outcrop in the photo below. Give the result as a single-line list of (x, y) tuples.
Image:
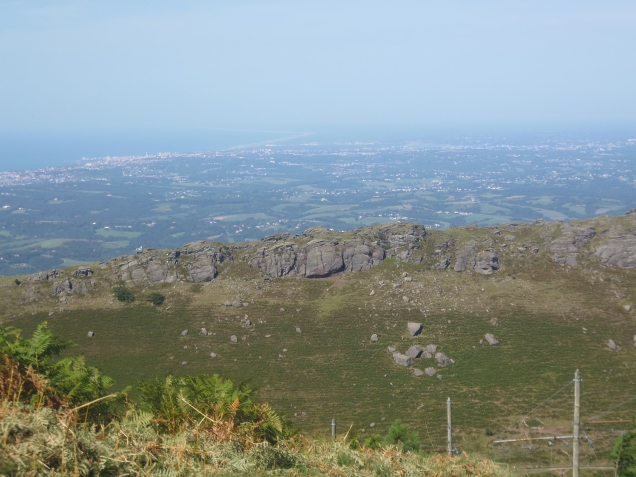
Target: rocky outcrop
[(485, 262), (203, 269), (322, 259), (83, 272), (62, 287), (618, 251), (565, 249), (44, 276), (358, 256), (464, 259), (318, 258)]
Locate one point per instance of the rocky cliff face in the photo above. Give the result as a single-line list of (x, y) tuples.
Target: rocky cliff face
[(318, 258), (319, 252), (485, 262), (325, 255)]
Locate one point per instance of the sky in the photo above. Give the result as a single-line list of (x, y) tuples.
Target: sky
[(107, 67)]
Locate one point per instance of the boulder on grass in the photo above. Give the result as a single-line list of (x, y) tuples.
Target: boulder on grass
[(402, 359), (415, 351), (414, 328), (374, 337), (430, 371), (491, 339)]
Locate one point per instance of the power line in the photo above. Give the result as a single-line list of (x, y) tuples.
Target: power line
[(610, 409), (538, 406)]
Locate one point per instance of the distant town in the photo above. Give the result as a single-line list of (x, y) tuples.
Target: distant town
[(108, 206)]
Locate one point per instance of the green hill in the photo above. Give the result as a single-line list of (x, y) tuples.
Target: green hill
[(303, 309)]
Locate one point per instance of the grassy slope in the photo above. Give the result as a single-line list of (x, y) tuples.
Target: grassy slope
[(332, 369)]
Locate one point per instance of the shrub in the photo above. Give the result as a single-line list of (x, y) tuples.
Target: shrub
[(155, 298), (124, 294), (68, 382), (374, 441), (399, 435), (214, 404), (625, 453)]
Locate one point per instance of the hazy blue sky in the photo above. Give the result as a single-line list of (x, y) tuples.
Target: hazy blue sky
[(156, 65)]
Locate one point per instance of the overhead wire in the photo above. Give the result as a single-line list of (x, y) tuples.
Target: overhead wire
[(528, 414)]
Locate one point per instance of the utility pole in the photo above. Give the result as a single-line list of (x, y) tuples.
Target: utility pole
[(333, 429), (577, 424), (450, 428)]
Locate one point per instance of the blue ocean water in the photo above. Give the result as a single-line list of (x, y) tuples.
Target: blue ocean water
[(23, 151)]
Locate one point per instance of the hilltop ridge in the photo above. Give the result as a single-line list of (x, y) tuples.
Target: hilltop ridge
[(319, 252)]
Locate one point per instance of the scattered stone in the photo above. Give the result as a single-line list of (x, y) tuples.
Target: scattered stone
[(213, 355), (402, 359), (372, 293), (611, 344), (237, 304), (185, 332), (372, 424), (408, 279), (233, 339), (418, 372), (414, 328), (494, 321), (406, 299), (430, 371), (298, 330), (284, 350), (442, 359), (491, 339), (439, 376), (481, 342), (627, 308), (228, 303), (282, 310), (374, 337), (268, 336), (392, 349), (404, 274), (426, 355), (204, 331), (90, 334), (183, 363), (432, 349), (414, 351)]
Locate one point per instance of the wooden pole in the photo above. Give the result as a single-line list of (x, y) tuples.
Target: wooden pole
[(333, 429), (449, 436), (577, 423)]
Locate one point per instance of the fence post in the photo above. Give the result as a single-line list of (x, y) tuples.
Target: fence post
[(577, 423), (449, 436), (333, 429)]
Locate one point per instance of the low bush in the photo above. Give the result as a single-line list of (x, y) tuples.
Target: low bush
[(124, 294), (155, 298)]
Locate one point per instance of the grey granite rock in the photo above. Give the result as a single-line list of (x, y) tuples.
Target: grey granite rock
[(402, 359), (414, 328), (491, 339)]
